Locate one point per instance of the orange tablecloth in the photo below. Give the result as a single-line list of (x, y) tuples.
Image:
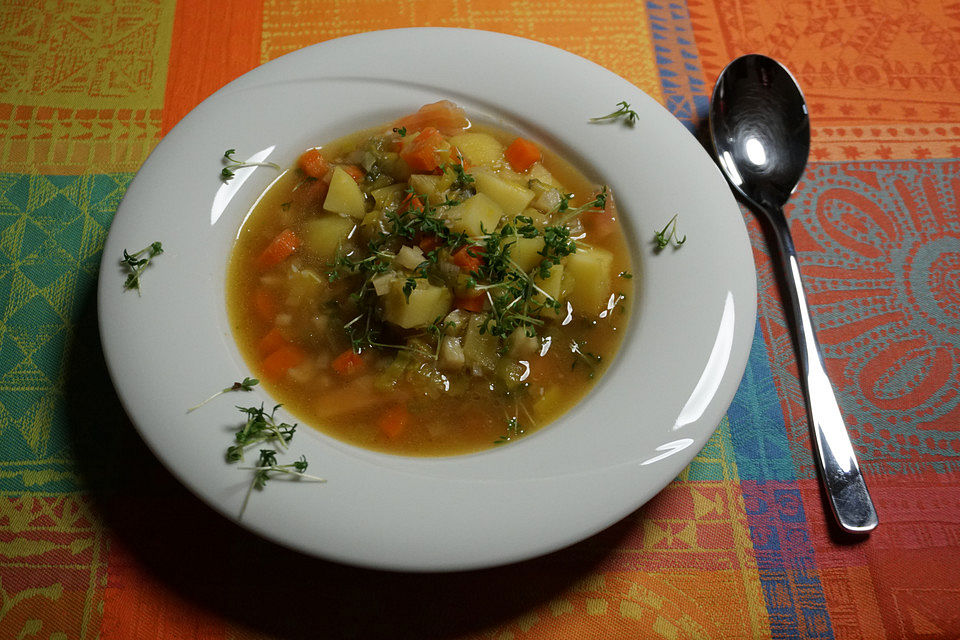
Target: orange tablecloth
[(98, 541)]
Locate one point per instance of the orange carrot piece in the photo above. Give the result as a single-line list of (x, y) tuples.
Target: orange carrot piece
[(393, 421), (354, 171), (264, 304), (271, 342), (422, 152), (444, 116), (522, 154), (310, 192), (428, 243), (599, 224), (276, 365), (470, 303), (348, 363), (279, 249), (456, 157), (313, 163), (462, 257), (410, 201)]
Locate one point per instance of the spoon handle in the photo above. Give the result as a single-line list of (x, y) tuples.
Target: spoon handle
[(849, 498)]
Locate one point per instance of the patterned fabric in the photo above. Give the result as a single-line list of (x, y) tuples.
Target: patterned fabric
[(97, 540)]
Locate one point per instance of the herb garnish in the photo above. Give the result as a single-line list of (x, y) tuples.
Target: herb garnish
[(136, 264), (262, 428), (514, 430), (267, 464), (233, 164), (400, 131), (624, 111), (246, 385), (462, 178), (513, 293), (626, 275), (417, 220), (592, 360), (663, 237)]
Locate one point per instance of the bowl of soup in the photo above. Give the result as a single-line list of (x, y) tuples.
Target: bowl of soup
[(449, 295), (430, 286)]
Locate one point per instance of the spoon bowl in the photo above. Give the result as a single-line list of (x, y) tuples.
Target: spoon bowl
[(760, 130)]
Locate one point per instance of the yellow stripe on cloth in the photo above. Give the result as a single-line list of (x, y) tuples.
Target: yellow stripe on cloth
[(81, 84), (594, 30)]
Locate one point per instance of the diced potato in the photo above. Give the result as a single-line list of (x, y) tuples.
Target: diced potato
[(322, 236), (520, 345), (386, 196), (513, 197), (480, 349), (451, 354), (510, 373), (478, 148), (552, 284), (426, 303), (306, 285), (409, 257), (383, 281), (344, 196), (526, 252), (475, 215), (548, 201), (540, 172), (445, 181), (372, 223), (424, 184), (455, 323), (590, 270)]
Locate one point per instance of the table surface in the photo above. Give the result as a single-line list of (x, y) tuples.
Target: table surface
[(97, 540)]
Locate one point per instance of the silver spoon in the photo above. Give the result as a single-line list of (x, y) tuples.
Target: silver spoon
[(761, 134)]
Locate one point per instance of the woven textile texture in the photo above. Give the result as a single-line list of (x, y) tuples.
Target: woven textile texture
[(98, 541)]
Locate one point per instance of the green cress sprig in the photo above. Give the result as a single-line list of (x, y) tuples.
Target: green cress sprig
[(233, 164), (592, 360), (663, 237), (137, 262), (514, 296), (510, 290), (246, 385), (623, 111), (267, 464), (262, 428), (416, 221), (514, 430)]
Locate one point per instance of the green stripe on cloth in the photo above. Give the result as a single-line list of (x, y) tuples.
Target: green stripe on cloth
[(52, 230)]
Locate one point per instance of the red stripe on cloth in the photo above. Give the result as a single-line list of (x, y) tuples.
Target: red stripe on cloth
[(137, 604), (903, 580), (213, 43)]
